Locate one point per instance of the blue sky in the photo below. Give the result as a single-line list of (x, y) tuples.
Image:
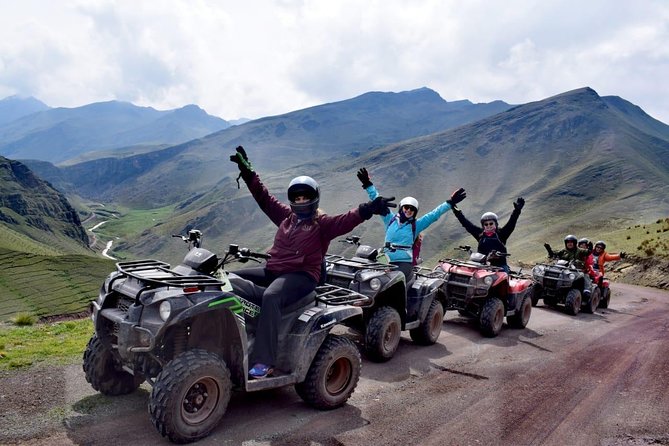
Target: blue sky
[(259, 58)]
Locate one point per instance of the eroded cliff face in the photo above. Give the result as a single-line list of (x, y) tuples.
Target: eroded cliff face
[(26, 201)]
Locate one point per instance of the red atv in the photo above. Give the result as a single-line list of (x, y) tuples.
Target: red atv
[(488, 293)]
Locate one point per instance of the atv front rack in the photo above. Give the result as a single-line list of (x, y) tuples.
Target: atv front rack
[(358, 263), (336, 295), (470, 264), (157, 273), (426, 272)]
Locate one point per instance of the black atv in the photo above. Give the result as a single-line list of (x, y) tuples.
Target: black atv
[(391, 304), (187, 332), (564, 283)]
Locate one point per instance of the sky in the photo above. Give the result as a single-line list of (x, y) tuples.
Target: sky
[(255, 58)]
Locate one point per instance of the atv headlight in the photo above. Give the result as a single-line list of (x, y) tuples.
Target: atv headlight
[(375, 283), (538, 271), (165, 310), (572, 276), (488, 280)]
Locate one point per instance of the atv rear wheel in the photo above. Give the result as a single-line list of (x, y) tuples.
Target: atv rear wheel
[(190, 396), (382, 336), (429, 329), (592, 306), (606, 298), (573, 302), (492, 317), (522, 316), (333, 374), (103, 370)]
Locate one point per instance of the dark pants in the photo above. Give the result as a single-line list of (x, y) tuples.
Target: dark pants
[(406, 268), (281, 290)]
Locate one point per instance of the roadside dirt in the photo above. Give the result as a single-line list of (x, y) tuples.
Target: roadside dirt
[(596, 379)]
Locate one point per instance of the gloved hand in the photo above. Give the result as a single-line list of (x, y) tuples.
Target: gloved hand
[(378, 206), (590, 247), (242, 161), (549, 249), (519, 203), (623, 254), (363, 176), (457, 197)]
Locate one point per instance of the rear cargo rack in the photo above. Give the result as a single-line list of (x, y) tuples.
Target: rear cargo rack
[(336, 295), (157, 273)]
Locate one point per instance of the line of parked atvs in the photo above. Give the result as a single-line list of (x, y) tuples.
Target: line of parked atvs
[(188, 330)]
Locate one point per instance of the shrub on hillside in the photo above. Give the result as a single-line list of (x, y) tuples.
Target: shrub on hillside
[(23, 319)]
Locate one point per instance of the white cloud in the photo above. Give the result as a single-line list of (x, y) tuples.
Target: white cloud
[(266, 57)]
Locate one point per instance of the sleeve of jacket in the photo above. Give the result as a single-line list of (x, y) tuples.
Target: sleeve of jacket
[(610, 257), (373, 193), (335, 226), (426, 220), (470, 227), (505, 231), (275, 210)]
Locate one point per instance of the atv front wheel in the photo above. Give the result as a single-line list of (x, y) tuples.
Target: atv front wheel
[(573, 302), (492, 317), (190, 396), (382, 336), (522, 316), (537, 291), (333, 374), (592, 306), (103, 370), (429, 329)]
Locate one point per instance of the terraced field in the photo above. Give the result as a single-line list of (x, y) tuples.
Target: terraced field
[(44, 285)]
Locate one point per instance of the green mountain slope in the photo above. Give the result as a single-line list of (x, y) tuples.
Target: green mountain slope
[(581, 166), (316, 134)]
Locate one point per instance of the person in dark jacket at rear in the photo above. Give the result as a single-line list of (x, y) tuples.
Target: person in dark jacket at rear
[(300, 244), (489, 235)]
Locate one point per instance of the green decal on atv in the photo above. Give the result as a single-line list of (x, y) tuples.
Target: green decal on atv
[(236, 307)]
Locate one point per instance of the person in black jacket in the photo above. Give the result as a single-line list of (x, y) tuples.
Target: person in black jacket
[(489, 235)]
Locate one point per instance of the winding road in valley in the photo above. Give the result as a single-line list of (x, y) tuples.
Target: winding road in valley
[(593, 379)]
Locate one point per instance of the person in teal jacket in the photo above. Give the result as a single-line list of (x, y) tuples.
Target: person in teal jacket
[(404, 227)]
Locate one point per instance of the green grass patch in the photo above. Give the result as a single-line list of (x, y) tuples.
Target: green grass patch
[(54, 343), (49, 285), (132, 222)]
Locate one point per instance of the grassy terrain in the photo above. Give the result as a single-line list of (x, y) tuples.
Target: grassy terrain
[(13, 240), (44, 285), (55, 343)]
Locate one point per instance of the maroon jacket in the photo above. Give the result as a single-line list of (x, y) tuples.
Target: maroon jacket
[(299, 245)]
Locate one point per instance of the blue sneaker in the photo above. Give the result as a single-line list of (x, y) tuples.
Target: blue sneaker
[(260, 371)]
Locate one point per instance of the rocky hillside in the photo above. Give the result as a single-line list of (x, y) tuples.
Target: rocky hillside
[(33, 208)]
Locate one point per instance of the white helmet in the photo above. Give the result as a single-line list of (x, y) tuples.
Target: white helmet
[(409, 201)]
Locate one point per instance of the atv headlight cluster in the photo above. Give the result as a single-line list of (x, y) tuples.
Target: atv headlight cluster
[(375, 283), (538, 271), (165, 310), (571, 276), (488, 280)]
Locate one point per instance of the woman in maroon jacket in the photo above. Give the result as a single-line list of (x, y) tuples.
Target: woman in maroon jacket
[(300, 244)]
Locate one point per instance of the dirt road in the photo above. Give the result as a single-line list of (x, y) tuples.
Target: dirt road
[(599, 379)]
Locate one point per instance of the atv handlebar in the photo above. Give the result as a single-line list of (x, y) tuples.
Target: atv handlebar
[(394, 247), (244, 254)]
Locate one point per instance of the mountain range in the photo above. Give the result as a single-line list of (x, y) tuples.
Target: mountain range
[(31, 130), (581, 161)]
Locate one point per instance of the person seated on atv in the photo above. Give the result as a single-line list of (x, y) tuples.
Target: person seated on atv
[(572, 253), (584, 243), (404, 228), (489, 235), (297, 254), (600, 257)]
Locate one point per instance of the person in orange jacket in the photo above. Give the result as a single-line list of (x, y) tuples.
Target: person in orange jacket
[(600, 256)]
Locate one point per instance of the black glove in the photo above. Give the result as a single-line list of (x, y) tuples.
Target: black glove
[(363, 176), (549, 249), (457, 197), (378, 206), (623, 254), (590, 247), (242, 161), (519, 203)]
